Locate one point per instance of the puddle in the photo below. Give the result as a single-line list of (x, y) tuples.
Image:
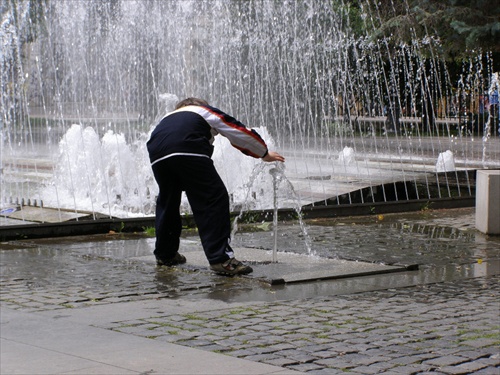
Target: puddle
[(83, 270)]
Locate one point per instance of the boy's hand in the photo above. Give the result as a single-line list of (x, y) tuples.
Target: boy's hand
[(273, 156)]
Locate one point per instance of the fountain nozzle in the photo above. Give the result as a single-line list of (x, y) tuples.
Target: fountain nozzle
[(278, 170), (274, 172)]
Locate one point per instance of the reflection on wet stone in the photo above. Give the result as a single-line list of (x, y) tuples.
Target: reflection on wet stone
[(88, 270)]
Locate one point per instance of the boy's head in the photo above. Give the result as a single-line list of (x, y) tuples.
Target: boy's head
[(190, 101)]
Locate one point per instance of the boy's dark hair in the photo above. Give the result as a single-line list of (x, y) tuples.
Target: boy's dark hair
[(190, 101)]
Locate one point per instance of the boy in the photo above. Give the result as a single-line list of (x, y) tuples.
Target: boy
[(180, 150)]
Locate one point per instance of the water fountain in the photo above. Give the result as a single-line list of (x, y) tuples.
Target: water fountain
[(81, 94)]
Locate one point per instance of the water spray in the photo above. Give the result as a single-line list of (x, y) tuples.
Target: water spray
[(324, 111), (277, 173)]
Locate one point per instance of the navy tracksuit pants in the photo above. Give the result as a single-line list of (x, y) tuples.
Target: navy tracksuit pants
[(209, 201)]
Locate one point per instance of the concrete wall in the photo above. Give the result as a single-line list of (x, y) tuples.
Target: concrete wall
[(488, 201)]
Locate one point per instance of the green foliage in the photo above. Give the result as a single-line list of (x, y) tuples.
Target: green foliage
[(352, 15), (35, 14), (460, 27), (150, 231)]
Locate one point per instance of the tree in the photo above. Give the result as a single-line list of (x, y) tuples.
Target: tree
[(460, 26), (31, 22), (22, 22)]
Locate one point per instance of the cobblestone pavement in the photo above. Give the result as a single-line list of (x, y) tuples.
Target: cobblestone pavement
[(428, 238), (449, 327), (43, 276)]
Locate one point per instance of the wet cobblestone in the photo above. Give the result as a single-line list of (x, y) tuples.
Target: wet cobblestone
[(42, 277), (440, 328), (425, 238)]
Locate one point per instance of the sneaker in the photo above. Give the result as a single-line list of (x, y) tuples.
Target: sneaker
[(231, 267), (177, 259)]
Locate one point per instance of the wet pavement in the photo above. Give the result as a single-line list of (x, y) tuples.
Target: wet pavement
[(441, 318)]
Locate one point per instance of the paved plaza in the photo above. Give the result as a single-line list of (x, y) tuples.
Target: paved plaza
[(99, 305)]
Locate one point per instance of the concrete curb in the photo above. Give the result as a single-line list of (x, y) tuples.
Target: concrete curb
[(130, 225)]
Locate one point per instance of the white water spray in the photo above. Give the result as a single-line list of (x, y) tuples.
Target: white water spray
[(445, 162), (298, 71), (493, 94)]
